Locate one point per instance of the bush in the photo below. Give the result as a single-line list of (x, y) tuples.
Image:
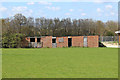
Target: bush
[(15, 40)]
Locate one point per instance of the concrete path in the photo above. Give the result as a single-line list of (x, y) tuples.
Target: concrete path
[(111, 45)]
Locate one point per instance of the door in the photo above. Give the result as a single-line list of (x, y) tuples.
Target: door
[(85, 41), (69, 42)]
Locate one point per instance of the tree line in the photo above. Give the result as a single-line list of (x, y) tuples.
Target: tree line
[(16, 28)]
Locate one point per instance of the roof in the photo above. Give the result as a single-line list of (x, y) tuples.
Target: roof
[(117, 32)]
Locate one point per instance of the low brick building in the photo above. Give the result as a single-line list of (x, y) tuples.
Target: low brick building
[(69, 41)]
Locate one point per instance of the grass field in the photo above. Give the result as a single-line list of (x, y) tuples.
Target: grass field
[(60, 63)]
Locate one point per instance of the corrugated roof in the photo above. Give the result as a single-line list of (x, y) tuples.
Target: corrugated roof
[(117, 32)]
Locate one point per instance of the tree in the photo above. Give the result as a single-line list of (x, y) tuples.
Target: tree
[(111, 27), (100, 28), (23, 27), (19, 21)]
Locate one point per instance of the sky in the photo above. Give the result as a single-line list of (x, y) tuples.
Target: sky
[(103, 11)]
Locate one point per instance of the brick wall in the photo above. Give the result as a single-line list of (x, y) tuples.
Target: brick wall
[(25, 42), (47, 41), (119, 39), (77, 41), (28, 39), (35, 39), (62, 44), (93, 41)]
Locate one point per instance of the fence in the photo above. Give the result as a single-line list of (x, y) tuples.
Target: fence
[(108, 38)]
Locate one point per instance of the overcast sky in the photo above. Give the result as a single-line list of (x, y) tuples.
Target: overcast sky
[(76, 10)]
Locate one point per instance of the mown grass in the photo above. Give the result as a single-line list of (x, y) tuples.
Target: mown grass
[(60, 63)]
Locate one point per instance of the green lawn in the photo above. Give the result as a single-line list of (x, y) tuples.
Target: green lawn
[(60, 63)]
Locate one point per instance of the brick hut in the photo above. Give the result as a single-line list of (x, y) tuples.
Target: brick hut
[(66, 41), (118, 32)]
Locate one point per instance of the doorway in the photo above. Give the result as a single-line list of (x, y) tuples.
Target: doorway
[(38, 40), (69, 42), (53, 40), (54, 44)]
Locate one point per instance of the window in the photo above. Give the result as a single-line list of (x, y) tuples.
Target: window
[(38, 39), (32, 39), (61, 40)]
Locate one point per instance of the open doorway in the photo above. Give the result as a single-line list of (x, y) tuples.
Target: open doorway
[(54, 44), (54, 40), (38, 39), (69, 42)]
